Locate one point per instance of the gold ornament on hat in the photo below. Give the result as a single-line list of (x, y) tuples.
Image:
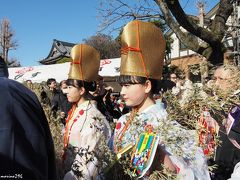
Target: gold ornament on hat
[(85, 63), (143, 50)]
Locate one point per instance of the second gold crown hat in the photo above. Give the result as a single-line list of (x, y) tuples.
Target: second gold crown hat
[(143, 50), (85, 63)]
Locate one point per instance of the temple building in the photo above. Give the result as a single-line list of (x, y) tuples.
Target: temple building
[(60, 53), (59, 50)]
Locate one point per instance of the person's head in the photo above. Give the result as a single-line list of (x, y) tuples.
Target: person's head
[(3, 68), (173, 77), (52, 83), (63, 86), (29, 82), (83, 72), (136, 89), (78, 89), (99, 86), (226, 78), (100, 81), (142, 54)]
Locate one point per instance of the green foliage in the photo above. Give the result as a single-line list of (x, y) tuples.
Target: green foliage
[(186, 106), (165, 174), (173, 137), (54, 123), (169, 42)]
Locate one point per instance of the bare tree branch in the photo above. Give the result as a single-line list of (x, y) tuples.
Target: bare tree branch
[(187, 23), (117, 13), (213, 47), (219, 23), (6, 39), (190, 41), (205, 41)]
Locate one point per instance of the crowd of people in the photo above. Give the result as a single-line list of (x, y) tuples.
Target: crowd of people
[(134, 125)]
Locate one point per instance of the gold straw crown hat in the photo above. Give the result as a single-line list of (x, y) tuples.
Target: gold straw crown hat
[(85, 63), (143, 50)]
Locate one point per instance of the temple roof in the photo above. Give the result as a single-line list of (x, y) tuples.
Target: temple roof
[(60, 49)]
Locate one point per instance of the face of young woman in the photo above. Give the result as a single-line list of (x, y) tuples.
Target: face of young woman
[(133, 94), (73, 94)]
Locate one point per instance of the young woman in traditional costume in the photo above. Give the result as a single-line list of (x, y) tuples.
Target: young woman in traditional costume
[(85, 125), (142, 54)]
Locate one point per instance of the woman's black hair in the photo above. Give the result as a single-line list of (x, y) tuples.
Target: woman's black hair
[(89, 86), (127, 79)]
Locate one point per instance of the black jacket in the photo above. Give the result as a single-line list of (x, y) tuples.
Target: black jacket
[(60, 102), (227, 156), (26, 145)]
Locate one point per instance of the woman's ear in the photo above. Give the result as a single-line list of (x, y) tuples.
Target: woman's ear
[(82, 90), (148, 86)]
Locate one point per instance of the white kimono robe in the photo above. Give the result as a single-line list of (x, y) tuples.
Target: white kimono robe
[(190, 165), (84, 131)]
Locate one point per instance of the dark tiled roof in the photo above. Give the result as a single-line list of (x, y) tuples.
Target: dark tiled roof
[(59, 49)]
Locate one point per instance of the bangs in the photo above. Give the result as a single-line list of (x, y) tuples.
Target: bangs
[(74, 83), (89, 86), (127, 79)]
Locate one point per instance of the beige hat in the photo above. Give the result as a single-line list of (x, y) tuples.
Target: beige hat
[(143, 50), (85, 63)]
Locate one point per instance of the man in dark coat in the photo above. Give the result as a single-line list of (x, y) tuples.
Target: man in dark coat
[(227, 155), (60, 102), (26, 145)]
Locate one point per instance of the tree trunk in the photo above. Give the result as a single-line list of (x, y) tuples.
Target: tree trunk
[(215, 56), (211, 45), (6, 42)]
